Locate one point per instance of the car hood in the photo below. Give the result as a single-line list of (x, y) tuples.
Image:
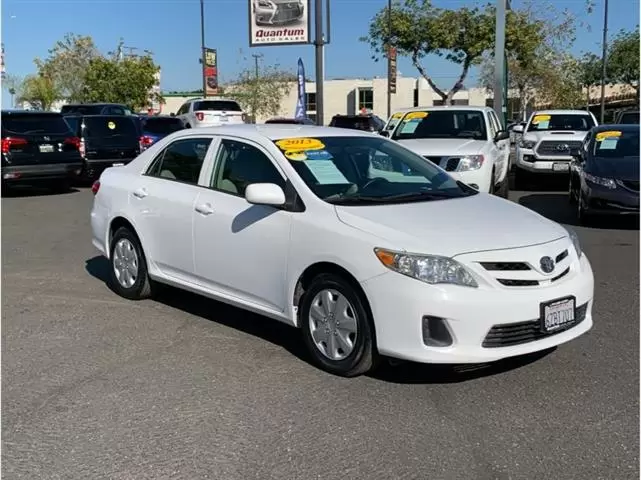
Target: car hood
[(444, 146), (559, 135), (451, 227), (626, 168)]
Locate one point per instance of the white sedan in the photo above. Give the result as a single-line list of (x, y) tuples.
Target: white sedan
[(351, 237)]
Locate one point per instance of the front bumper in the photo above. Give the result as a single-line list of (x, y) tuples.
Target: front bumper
[(527, 160), (600, 200), (400, 303), (24, 174)]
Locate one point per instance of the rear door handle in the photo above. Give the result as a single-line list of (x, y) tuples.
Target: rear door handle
[(140, 193), (204, 209)]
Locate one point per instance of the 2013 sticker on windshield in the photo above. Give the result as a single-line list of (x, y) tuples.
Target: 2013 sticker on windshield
[(540, 119), (300, 144), (415, 116), (397, 115), (614, 134)]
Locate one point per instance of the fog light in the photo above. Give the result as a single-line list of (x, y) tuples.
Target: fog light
[(528, 158), (435, 332)]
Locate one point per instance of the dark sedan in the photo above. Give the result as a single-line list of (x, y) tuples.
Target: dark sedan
[(604, 175)]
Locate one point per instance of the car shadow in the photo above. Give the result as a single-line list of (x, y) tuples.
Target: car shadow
[(541, 183), (289, 338), (556, 207), (29, 191)]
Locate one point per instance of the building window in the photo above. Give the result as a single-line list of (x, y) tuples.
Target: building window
[(310, 102), (366, 99), (438, 103), (416, 97), (312, 117), (463, 101)]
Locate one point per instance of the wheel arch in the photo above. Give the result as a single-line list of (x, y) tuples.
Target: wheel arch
[(115, 223)]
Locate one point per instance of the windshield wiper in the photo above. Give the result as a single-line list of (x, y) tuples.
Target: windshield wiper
[(401, 198)]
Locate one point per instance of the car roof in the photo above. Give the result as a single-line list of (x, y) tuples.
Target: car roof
[(95, 104), (444, 107), (560, 112), (624, 127), (200, 99), (274, 131)]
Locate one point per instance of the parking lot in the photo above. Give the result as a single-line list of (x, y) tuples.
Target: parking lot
[(95, 386)]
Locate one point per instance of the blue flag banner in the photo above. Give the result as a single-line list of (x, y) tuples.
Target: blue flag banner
[(301, 111)]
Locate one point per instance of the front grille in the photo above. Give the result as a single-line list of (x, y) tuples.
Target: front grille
[(505, 266), (631, 185), (287, 12), (561, 256), (553, 148), (511, 334)]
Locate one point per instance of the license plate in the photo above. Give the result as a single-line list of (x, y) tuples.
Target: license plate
[(557, 314), (561, 167), (46, 148), (223, 119), (118, 164)]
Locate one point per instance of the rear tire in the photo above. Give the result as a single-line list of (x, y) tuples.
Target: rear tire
[(328, 300), (128, 275), (503, 188)]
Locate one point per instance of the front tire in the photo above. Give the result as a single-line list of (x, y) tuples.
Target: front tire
[(584, 218), (128, 275), (337, 327)]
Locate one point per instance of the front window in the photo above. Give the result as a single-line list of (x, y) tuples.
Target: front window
[(442, 124), (616, 143), (367, 171), (557, 121)]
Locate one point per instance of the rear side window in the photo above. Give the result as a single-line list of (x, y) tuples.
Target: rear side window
[(217, 105), (110, 127), (630, 118), (81, 109), (162, 125), (353, 123), (74, 124), (181, 161), (35, 124)]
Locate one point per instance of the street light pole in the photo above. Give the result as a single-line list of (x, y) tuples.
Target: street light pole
[(499, 60), (202, 46), (255, 93), (604, 59), (319, 43), (389, 57)]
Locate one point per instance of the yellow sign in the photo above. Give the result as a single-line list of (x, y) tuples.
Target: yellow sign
[(540, 118), (111, 125), (397, 115), (415, 115), (609, 134), (300, 144), (296, 156)]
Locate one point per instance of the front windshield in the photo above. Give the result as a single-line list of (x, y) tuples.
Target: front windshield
[(367, 170), (616, 144), (558, 121), (442, 124), (391, 124)]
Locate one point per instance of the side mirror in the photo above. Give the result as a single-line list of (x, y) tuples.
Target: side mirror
[(265, 194), (501, 135), (384, 133), (518, 128), (172, 114)]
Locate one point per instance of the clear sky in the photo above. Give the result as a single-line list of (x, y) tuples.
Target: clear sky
[(171, 30)]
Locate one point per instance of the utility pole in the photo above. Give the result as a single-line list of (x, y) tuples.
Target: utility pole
[(500, 63), (202, 47), (389, 58), (256, 56), (604, 59), (319, 43)]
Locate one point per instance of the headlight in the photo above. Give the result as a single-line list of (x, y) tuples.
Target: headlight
[(470, 162), (528, 144), (575, 241), (604, 182), (265, 4), (426, 268)]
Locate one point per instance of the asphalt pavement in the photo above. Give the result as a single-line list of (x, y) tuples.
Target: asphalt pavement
[(98, 387)]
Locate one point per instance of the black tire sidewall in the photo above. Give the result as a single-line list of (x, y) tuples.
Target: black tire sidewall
[(137, 290), (364, 347)]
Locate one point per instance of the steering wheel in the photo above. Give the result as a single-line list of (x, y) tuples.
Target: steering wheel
[(374, 181)]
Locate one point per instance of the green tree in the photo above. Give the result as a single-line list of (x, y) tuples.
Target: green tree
[(128, 81), (623, 62), (14, 85), (589, 73), (67, 64), (562, 86), (261, 90), (40, 92), (420, 30)]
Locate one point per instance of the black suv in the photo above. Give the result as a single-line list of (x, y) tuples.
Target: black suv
[(368, 123), (95, 109), (39, 148), (106, 141)]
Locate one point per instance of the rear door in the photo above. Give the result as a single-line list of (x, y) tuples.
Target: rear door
[(38, 138), (218, 111), (111, 137)]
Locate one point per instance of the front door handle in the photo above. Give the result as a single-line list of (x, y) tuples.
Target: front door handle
[(140, 193), (205, 209)]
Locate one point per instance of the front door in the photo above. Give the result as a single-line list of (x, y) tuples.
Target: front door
[(164, 200), (241, 249)]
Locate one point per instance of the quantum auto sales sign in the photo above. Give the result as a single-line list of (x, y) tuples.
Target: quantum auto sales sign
[(278, 22)]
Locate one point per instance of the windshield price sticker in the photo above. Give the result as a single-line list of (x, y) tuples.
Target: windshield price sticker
[(609, 134), (540, 118), (300, 144), (311, 155), (111, 125), (397, 115), (415, 116)]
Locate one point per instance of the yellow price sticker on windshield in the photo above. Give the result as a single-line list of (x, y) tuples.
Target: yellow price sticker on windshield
[(541, 118), (397, 115), (295, 155), (415, 115), (111, 125), (300, 144), (609, 134)]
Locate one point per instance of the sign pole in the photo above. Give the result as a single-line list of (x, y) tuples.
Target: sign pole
[(202, 46), (319, 43)]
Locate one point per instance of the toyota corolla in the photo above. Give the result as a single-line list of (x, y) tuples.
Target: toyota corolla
[(357, 241)]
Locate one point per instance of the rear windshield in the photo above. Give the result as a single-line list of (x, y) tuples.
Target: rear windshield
[(630, 118), (95, 110), (617, 143), (354, 123), (555, 121), (162, 125), (74, 123), (110, 127), (217, 105), (34, 124)]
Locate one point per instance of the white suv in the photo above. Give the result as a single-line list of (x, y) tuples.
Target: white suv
[(211, 112), (548, 141), (467, 142)]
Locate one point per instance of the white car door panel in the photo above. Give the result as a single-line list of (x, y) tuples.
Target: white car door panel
[(242, 249)]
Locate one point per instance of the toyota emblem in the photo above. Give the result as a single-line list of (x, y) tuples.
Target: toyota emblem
[(547, 265), (564, 147)]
